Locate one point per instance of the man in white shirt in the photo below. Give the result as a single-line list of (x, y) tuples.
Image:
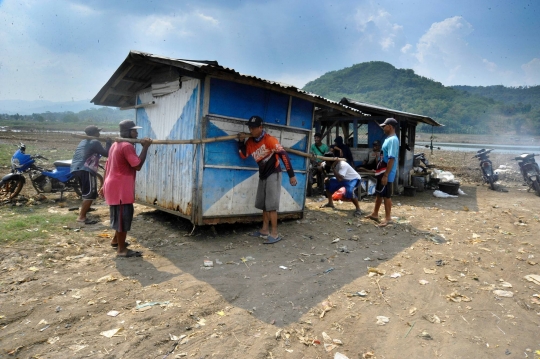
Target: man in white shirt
[(344, 176)]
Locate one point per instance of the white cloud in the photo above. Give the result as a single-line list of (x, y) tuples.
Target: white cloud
[(406, 48), (490, 66), (208, 19), (375, 25), (532, 72)]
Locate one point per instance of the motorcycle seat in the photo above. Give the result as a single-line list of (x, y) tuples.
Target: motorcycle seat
[(523, 156), (62, 163)]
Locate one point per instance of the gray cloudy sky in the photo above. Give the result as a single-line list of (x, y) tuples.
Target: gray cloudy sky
[(61, 50)]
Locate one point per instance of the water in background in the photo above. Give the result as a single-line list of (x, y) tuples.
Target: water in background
[(473, 147)]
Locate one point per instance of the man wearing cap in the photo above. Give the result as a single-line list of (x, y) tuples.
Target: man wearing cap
[(386, 172), (119, 187), (86, 175), (318, 149), (344, 176), (372, 157), (266, 151)]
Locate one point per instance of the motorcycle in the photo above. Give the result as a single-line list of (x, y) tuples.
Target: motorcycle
[(530, 171), (487, 167), (57, 180)]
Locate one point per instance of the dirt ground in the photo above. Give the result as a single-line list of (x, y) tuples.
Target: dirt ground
[(447, 280)]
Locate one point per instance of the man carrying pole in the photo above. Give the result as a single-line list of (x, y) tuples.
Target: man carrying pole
[(266, 150)]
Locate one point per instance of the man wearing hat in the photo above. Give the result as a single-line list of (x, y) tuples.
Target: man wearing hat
[(386, 172), (266, 151), (88, 150), (119, 187)]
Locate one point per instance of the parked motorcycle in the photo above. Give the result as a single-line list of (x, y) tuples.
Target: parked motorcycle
[(487, 167), (57, 180), (530, 171)]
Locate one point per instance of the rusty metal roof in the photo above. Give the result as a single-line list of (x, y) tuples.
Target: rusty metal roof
[(138, 69), (375, 110)]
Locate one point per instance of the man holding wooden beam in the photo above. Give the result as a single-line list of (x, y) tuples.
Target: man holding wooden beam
[(266, 150)]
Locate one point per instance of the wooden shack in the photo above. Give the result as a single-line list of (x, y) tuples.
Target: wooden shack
[(189, 99), (361, 130)]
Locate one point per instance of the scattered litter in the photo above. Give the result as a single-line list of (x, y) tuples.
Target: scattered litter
[(327, 305), (376, 271), (459, 191), (395, 275), (336, 240), (381, 320), (425, 335), (45, 327), (412, 311), (208, 263), (503, 293), (328, 270), (175, 338), (113, 313), (283, 267), (456, 297), (535, 278), (423, 281), (338, 355), (450, 278), (329, 347), (361, 293), (439, 263), (107, 278), (53, 340), (429, 271), (505, 284), (367, 259), (432, 318), (111, 333), (326, 337), (441, 194), (140, 307), (33, 269)]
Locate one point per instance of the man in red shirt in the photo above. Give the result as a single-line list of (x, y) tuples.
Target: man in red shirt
[(266, 150), (119, 185)]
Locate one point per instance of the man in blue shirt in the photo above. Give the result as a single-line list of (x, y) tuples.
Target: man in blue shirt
[(386, 172)]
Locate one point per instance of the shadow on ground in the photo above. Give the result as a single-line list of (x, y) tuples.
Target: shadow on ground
[(277, 283)]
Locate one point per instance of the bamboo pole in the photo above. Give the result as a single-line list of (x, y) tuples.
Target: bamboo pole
[(203, 140)]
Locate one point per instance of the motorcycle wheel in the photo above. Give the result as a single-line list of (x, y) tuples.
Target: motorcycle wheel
[(11, 189), (491, 183), (536, 186)]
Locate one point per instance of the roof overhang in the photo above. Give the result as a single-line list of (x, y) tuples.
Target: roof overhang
[(374, 111), (139, 70)]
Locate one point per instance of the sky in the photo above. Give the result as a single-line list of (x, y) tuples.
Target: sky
[(66, 50)]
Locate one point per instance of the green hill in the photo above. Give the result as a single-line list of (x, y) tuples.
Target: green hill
[(460, 110)]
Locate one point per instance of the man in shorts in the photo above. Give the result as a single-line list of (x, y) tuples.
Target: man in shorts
[(86, 176), (266, 150), (119, 186), (344, 176), (386, 173)]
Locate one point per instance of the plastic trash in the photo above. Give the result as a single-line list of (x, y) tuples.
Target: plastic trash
[(338, 355), (382, 320), (441, 194)]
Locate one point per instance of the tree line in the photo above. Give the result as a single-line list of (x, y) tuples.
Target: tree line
[(462, 109)]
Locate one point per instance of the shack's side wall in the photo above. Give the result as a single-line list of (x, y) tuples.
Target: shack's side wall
[(230, 183), (167, 177)]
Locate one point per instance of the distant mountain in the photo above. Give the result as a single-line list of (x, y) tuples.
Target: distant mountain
[(461, 111), (12, 107), (507, 95)]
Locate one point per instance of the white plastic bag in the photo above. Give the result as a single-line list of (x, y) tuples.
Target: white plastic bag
[(441, 194)]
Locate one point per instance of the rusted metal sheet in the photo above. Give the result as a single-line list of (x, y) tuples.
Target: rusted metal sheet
[(167, 177)]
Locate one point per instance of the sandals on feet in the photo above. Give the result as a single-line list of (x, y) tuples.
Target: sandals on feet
[(115, 245), (88, 221), (272, 240), (384, 224), (328, 205), (357, 213), (376, 219), (258, 234), (130, 254)]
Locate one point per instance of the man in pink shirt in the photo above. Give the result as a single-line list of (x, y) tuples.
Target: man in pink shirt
[(119, 185)]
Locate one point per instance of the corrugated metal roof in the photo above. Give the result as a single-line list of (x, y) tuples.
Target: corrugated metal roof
[(375, 110), (135, 74)]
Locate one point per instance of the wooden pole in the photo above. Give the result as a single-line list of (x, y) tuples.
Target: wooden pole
[(203, 140)]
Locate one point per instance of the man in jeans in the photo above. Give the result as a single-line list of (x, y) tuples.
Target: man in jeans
[(344, 176), (87, 178), (266, 151)]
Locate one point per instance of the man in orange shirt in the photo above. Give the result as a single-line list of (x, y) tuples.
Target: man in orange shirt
[(266, 150)]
